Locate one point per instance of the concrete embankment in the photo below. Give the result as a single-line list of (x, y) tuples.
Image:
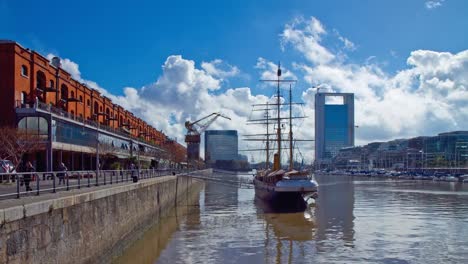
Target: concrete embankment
[(86, 226)]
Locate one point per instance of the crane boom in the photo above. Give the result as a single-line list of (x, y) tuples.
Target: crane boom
[(194, 130)]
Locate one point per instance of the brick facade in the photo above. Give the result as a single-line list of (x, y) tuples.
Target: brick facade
[(26, 76)]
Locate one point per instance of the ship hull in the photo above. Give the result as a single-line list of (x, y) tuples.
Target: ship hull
[(279, 197)]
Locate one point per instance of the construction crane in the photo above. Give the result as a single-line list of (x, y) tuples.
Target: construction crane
[(194, 130)]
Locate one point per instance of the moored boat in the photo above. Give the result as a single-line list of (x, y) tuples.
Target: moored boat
[(284, 187)]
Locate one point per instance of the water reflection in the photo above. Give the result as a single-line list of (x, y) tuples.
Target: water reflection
[(355, 220), (155, 240)]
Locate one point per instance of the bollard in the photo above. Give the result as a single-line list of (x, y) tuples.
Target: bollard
[(68, 184), (79, 180), (53, 182), (17, 186), (37, 183)]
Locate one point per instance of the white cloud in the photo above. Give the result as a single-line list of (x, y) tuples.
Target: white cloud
[(428, 97), (220, 69), (347, 44), (305, 36), (74, 70), (434, 4)]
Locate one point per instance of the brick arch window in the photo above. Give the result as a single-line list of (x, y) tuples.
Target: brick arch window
[(64, 92), (81, 98), (72, 94), (40, 80), (51, 84), (88, 103), (96, 108)]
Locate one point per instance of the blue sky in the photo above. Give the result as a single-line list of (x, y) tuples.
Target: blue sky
[(406, 61), (124, 43)]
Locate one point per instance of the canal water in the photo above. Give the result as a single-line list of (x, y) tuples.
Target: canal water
[(355, 220)]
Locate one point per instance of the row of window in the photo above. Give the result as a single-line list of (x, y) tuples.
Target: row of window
[(41, 84)]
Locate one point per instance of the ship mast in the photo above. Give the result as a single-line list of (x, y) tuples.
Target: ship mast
[(268, 138), (278, 129), (291, 160)]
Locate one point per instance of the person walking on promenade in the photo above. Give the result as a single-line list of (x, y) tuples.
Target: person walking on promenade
[(134, 176), (28, 177), (63, 171)]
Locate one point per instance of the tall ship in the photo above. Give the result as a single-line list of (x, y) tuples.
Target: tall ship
[(278, 185)]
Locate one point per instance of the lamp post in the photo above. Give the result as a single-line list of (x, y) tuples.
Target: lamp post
[(97, 145)]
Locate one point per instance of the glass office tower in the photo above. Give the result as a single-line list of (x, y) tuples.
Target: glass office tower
[(334, 124), (221, 145)]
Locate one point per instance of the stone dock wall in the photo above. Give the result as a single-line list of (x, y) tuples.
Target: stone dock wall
[(87, 227)]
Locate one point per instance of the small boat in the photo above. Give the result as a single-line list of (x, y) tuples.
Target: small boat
[(278, 186), (451, 179)]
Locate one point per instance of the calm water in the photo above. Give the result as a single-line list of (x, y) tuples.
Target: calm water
[(353, 221)]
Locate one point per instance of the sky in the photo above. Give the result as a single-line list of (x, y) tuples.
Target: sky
[(170, 61)]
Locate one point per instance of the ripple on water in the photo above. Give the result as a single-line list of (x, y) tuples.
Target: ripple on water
[(354, 221)]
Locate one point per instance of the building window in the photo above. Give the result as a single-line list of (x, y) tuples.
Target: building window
[(24, 70), (88, 103), (72, 112), (96, 108), (64, 92), (81, 98), (40, 80), (72, 94), (100, 108), (24, 95)]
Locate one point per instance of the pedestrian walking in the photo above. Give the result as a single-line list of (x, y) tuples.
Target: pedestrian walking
[(63, 171), (28, 177), (134, 175)]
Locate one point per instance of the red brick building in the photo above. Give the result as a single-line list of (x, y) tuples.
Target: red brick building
[(37, 94)]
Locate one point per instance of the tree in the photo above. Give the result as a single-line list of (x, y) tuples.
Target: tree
[(107, 152), (15, 143)]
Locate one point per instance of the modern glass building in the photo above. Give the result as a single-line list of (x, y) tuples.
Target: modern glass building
[(448, 149), (334, 124), (221, 145)]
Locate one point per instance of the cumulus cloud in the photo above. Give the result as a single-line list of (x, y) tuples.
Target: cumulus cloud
[(74, 69), (305, 36), (428, 97), (220, 69), (434, 4)]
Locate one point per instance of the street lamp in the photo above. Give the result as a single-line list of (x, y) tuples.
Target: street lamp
[(318, 86)]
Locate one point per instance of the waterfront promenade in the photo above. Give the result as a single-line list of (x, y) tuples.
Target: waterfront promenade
[(86, 225)]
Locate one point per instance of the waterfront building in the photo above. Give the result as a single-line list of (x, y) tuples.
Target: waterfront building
[(221, 145), (39, 96), (334, 124), (448, 149)]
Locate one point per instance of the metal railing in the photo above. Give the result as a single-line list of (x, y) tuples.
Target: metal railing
[(16, 185)]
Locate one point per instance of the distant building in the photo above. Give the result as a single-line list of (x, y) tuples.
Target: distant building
[(447, 149), (221, 145), (334, 124)]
